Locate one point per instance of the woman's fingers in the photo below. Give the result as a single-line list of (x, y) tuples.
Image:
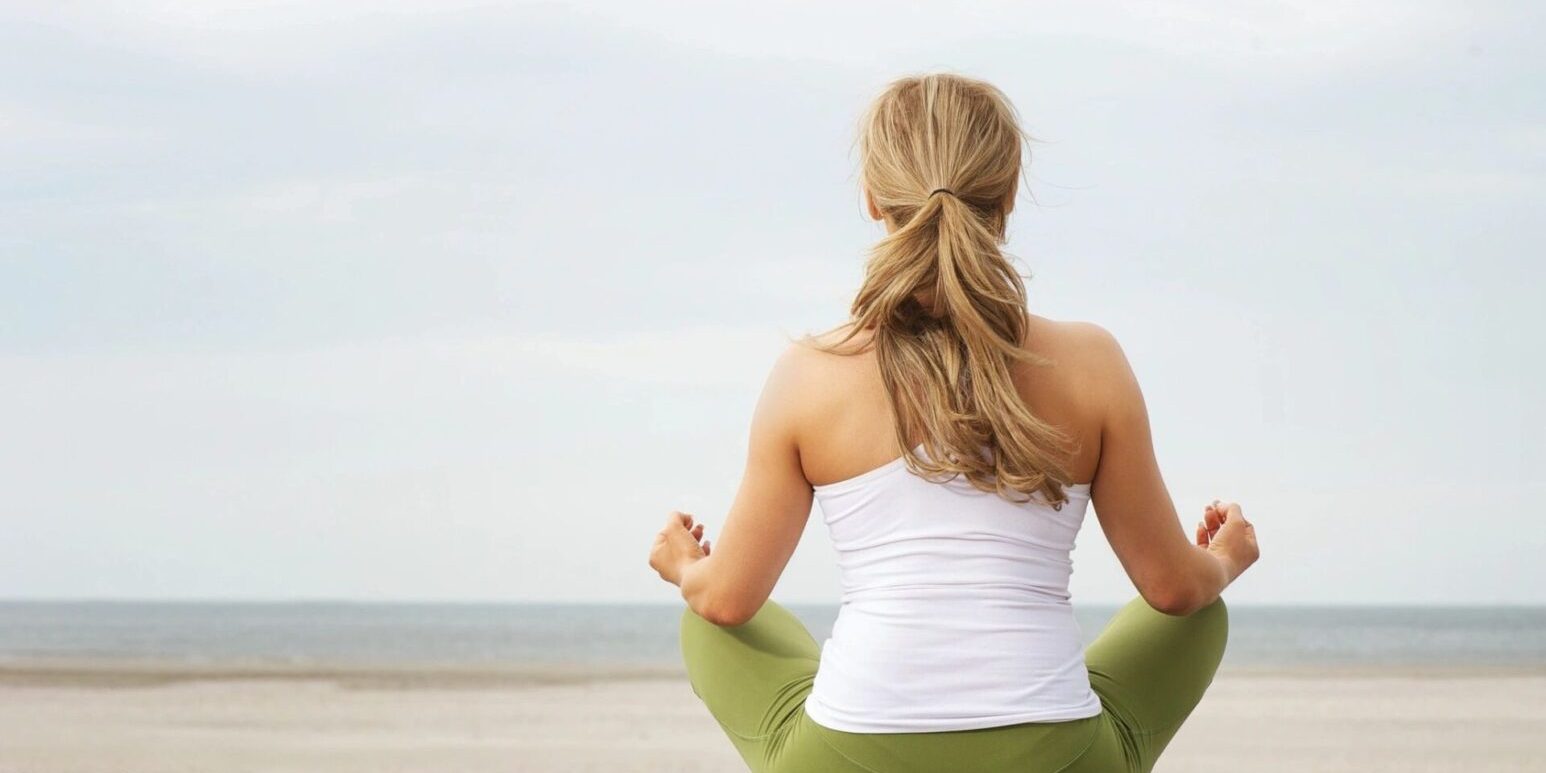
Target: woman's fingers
[(679, 541), (1226, 510), (1235, 525), (679, 523), (1231, 511), (1212, 518), (676, 528)]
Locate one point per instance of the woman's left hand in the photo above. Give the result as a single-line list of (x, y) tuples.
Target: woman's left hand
[(676, 546)]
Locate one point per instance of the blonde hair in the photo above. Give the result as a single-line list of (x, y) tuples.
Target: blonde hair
[(941, 159)]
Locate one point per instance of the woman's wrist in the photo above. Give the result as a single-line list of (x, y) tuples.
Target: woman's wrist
[(684, 568), (1227, 565)]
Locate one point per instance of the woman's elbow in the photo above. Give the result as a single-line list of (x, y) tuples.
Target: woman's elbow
[(1177, 599), (724, 612), (722, 609), (727, 615)]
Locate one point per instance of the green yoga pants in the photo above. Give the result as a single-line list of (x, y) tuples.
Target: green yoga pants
[(1149, 669)]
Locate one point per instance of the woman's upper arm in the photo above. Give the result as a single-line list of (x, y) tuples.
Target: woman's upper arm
[(772, 505), (1130, 498)]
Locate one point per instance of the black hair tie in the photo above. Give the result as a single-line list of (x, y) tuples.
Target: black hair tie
[(946, 190)]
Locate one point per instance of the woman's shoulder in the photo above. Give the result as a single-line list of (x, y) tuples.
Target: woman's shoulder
[(818, 359), (842, 340), (1081, 347), (1088, 364), (1069, 336), (810, 384)]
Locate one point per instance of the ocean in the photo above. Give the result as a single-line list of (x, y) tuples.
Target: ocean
[(399, 635)]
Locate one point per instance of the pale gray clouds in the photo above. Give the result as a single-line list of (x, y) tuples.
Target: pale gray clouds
[(447, 300)]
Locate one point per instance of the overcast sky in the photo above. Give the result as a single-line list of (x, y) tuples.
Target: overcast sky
[(445, 301)]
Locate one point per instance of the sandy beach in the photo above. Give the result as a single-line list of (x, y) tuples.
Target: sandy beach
[(65, 719)]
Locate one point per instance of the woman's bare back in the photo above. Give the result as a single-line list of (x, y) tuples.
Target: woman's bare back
[(848, 428)]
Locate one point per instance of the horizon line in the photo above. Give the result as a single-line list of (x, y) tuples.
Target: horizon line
[(366, 602)]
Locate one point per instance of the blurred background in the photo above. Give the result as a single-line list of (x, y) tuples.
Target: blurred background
[(348, 334)]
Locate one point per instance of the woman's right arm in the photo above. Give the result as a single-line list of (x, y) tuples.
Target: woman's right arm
[(1174, 575)]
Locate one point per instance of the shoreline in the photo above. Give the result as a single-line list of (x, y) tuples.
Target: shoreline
[(129, 674)]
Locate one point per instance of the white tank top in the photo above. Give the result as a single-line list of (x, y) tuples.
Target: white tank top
[(955, 610)]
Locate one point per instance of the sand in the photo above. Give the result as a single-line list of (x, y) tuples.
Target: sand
[(135, 722)]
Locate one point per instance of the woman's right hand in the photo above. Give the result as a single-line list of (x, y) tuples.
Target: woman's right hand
[(1225, 533)]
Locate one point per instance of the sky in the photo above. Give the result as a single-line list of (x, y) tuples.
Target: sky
[(456, 301)]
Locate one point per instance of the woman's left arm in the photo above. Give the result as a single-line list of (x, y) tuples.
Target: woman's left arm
[(727, 583)]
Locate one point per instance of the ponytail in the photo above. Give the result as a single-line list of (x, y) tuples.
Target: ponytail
[(946, 306)]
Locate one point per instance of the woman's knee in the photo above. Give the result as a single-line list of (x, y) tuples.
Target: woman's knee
[(1205, 629), (1219, 610), (690, 618), (1215, 618), (692, 628), (1210, 631), (696, 630)]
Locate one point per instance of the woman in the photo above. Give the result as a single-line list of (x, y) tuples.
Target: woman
[(953, 442)]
